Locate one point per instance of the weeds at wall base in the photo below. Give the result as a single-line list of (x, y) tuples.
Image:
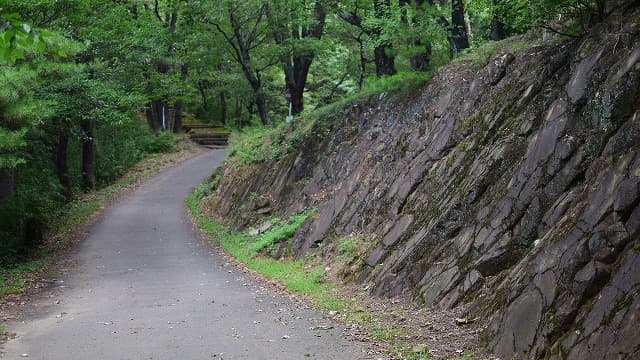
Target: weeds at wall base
[(298, 277)]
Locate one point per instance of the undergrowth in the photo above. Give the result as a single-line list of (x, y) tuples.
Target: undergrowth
[(295, 275), (255, 144), (482, 54)]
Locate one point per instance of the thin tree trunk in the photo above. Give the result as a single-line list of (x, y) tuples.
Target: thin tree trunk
[(223, 108), (458, 27), (88, 156), (154, 114), (203, 94), (238, 113), (7, 182), (179, 106), (33, 234), (385, 64), (297, 99), (62, 166), (363, 62), (263, 110), (177, 116), (497, 24)]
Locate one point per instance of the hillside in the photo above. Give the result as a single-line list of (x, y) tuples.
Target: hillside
[(510, 186)]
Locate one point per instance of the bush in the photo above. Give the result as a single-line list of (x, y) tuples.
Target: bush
[(161, 142)]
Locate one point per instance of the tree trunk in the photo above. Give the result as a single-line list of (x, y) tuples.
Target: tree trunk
[(177, 116), (601, 6), (157, 110), (62, 166), (155, 113), (238, 113), (179, 106), (297, 69), (263, 111), (88, 156), (7, 182), (385, 64), (363, 62), (33, 234), (497, 24), (202, 88), (223, 108), (458, 27), (420, 61), (297, 100)]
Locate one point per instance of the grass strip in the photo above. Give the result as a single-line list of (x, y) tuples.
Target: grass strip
[(295, 275)]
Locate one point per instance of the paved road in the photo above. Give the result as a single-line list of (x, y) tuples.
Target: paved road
[(146, 287)]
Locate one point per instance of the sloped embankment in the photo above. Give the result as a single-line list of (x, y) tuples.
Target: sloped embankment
[(513, 187)]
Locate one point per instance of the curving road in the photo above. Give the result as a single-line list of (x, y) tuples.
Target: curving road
[(146, 287)]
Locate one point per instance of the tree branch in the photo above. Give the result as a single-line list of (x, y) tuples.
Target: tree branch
[(352, 19), (156, 10), (252, 34), (227, 38)]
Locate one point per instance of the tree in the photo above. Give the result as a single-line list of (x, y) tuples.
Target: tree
[(158, 111), (244, 29), (293, 28), (383, 50), (498, 31), (16, 39), (19, 111), (459, 35)]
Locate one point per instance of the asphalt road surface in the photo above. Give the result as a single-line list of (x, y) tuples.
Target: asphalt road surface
[(145, 286)]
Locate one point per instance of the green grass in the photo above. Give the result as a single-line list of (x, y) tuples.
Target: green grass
[(481, 54), (297, 276)]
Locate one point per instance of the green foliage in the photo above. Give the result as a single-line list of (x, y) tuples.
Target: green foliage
[(348, 248), (10, 141), (23, 216), (17, 38), (255, 144), (280, 230), (481, 55), (520, 16), (405, 81), (161, 142), (52, 84)]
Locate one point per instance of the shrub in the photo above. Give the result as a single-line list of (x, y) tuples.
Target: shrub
[(161, 142)]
